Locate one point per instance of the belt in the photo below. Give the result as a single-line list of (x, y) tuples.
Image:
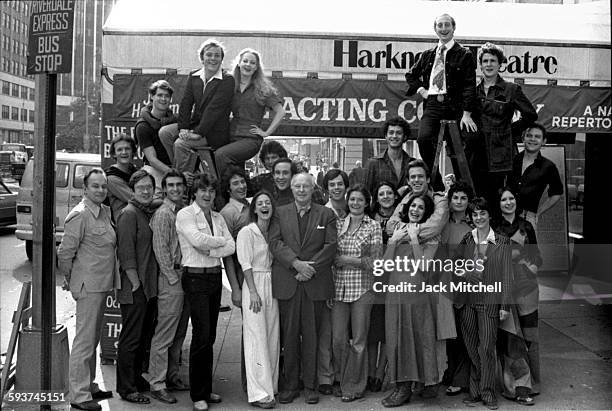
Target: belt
[(203, 270), (439, 97)]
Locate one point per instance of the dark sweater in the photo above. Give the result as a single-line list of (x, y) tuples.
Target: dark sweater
[(135, 251)]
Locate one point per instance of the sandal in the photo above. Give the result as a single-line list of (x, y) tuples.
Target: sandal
[(525, 400), (136, 397), (452, 390)]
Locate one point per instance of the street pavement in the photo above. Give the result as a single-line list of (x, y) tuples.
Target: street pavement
[(575, 334)]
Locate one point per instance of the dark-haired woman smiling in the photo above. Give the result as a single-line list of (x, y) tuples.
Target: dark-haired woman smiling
[(260, 319), (413, 349), (359, 243), (481, 314)]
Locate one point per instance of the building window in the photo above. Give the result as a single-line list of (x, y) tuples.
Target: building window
[(31, 116), (5, 112), (32, 94), (24, 114), (15, 113), (6, 87), (24, 92), (15, 90)]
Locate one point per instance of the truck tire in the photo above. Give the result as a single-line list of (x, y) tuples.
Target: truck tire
[(28, 247)]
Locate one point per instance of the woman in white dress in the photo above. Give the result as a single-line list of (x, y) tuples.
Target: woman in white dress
[(260, 320)]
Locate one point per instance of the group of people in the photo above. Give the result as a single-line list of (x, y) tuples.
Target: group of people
[(300, 255)]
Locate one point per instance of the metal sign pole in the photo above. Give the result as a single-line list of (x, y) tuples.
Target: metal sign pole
[(44, 345)]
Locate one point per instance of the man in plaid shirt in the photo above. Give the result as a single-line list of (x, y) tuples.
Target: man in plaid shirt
[(392, 166)]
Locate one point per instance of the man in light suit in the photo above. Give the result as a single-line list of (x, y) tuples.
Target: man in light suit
[(204, 110), (303, 241), (86, 259)]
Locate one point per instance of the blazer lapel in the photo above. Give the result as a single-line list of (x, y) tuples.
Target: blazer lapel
[(313, 222), (292, 218), (209, 91), (198, 91)]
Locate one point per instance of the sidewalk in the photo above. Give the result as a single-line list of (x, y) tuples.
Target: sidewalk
[(576, 351)]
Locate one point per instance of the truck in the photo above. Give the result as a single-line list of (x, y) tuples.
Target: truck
[(13, 158), (340, 66)]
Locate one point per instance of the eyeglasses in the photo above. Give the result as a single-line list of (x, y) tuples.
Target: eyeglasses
[(147, 187)]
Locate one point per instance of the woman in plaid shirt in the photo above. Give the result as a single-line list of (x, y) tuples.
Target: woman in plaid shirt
[(359, 243)]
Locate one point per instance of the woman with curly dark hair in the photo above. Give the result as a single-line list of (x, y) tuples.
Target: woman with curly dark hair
[(413, 348)]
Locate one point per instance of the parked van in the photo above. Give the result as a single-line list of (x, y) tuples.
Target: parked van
[(70, 168)]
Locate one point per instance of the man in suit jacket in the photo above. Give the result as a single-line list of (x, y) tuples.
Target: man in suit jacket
[(204, 110), (303, 241), (445, 76)]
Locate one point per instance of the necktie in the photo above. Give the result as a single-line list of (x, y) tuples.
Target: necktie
[(438, 70)]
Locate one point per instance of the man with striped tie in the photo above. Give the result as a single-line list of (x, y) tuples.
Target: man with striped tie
[(445, 76)]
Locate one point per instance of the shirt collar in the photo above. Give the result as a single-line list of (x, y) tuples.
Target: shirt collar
[(464, 219), (448, 45), (93, 207), (347, 221), (238, 204), (300, 208), (498, 83), (200, 73), (385, 155), (490, 237), (539, 158), (170, 204)]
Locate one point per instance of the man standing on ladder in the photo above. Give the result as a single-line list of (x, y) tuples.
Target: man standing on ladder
[(445, 76)]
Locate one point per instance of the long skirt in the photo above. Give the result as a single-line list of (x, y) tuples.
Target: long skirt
[(414, 352)]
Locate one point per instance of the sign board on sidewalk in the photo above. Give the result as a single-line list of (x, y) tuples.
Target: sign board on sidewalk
[(50, 37)]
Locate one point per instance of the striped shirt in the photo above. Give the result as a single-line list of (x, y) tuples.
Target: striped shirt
[(165, 240), (365, 242)]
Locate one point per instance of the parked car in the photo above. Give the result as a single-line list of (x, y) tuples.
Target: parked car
[(8, 200), (70, 168)]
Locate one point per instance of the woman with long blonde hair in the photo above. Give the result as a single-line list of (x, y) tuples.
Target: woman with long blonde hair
[(253, 95)]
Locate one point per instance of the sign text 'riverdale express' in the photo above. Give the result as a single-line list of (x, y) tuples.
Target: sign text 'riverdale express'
[(50, 37)]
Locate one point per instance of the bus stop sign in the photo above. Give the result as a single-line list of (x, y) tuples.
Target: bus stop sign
[(50, 37)]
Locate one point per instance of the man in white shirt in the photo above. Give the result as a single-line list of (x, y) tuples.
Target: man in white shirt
[(205, 240)]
